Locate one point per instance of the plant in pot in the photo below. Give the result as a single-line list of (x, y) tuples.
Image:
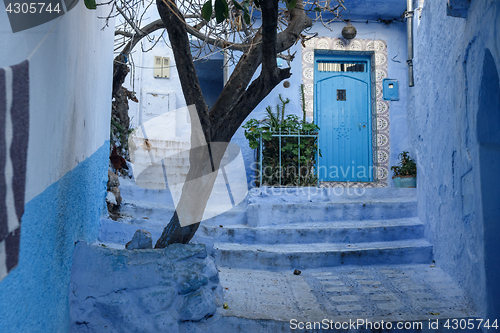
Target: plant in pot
[(396, 169), (406, 171), (289, 148)]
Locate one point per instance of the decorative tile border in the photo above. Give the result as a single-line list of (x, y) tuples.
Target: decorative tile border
[(380, 108)]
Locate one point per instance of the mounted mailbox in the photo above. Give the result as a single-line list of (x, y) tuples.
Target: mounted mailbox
[(391, 90)]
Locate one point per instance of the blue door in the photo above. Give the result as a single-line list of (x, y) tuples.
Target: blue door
[(343, 109)]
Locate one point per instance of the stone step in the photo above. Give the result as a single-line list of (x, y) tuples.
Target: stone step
[(141, 210), (135, 194), (262, 214), (332, 232), (300, 256)]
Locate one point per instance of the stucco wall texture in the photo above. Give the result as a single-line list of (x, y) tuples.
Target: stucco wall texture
[(456, 63), (70, 109)]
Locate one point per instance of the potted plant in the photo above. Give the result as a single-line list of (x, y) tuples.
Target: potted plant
[(396, 169), (406, 171), (289, 147)]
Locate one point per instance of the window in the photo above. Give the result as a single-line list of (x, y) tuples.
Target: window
[(162, 67), (340, 66)]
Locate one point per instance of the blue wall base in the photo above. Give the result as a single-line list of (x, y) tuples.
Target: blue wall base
[(34, 296)]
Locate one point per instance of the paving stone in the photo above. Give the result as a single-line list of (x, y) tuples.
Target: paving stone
[(360, 277), (420, 295), (337, 289), (345, 298), (391, 306), (400, 281), (408, 287), (369, 282), (321, 273), (373, 289), (328, 277), (434, 304), (394, 275), (332, 282), (384, 297), (288, 296), (349, 307)]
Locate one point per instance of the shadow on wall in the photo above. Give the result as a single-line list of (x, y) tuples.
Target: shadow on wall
[(488, 134)]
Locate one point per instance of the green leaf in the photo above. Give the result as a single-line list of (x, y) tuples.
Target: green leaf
[(257, 3), (221, 10), (206, 10), (90, 4), (246, 16), (317, 9), (290, 4), (237, 5)]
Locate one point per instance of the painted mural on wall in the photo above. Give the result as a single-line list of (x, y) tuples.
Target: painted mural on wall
[(14, 129), (380, 108)]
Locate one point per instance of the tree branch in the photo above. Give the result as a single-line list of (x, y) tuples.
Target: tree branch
[(146, 30), (177, 34), (129, 21), (124, 33), (269, 26), (235, 98), (120, 69)]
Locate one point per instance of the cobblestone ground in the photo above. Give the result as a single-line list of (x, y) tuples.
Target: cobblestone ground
[(375, 293)]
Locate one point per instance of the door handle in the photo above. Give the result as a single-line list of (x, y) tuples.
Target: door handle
[(364, 125)]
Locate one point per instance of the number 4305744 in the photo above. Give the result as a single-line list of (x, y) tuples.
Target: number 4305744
[(31, 8), (470, 324)]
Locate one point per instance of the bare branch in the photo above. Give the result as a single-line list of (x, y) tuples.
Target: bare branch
[(177, 34), (129, 21), (124, 33)]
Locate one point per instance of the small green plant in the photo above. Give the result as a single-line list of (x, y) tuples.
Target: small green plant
[(406, 166), (280, 137), (119, 137)]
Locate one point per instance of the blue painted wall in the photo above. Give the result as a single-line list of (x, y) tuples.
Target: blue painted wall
[(68, 155), (395, 36), (453, 121), (34, 296)]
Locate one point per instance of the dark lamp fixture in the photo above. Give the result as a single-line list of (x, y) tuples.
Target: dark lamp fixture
[(349, 31)]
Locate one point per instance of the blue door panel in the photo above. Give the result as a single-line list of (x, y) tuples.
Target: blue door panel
[(345, 125)]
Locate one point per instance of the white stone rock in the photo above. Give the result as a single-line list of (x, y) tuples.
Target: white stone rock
[(110, 198), (141, 240)]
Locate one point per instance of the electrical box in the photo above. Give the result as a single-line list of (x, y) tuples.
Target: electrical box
[(391, 90), (162, 67)]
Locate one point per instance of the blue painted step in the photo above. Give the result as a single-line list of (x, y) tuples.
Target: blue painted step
[(333, 232), (297, 256), (262, 214)]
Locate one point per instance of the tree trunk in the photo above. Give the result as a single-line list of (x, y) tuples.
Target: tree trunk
[(234, 104)]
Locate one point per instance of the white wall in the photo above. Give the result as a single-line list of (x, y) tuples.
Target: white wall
[(69, 114)]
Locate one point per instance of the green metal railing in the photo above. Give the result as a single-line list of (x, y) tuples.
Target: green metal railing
[(289, 134)]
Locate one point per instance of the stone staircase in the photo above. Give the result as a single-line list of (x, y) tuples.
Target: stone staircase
[(299, 229), (361, 255), (313, 228)]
